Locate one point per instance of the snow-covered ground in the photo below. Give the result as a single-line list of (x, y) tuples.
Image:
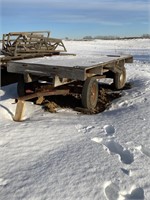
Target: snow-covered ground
[(72, 156)]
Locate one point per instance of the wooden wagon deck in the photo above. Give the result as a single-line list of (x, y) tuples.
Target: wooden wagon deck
[(64, 69), (74, 67)]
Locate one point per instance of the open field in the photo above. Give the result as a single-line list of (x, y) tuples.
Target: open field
[(71, 156)]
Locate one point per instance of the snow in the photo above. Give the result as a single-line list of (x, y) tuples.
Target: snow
[(72, 156), (72, 60)]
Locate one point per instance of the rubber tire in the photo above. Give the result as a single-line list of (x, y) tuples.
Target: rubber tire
[(120, 79), (89, 101), (21, 86)]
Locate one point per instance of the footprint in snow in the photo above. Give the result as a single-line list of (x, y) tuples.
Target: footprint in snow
[(144, 150), (125, 171), (109, 130), (97, 139), (125, 155), (2, 143), (134, 194), (84, 129), (111, 191), (3, 182)]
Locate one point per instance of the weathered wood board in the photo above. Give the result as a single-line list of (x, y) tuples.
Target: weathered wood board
[(71, 67)]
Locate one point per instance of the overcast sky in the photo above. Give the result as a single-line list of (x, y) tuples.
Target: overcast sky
[(77, 18)]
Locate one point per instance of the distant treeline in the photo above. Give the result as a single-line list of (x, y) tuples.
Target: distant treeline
[(144, 36), (115, 37)]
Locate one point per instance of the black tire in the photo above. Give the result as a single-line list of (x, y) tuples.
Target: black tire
[(120, 79), (21, 86), (90, 93)]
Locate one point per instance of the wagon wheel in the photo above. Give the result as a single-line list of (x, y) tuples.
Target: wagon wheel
[(120, 79), (90, 93)]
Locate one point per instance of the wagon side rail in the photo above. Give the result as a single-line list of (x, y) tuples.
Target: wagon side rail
[(21, 45), (15, 44)]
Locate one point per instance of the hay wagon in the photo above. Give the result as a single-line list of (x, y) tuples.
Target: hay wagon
[(61, 73), (65, 74)]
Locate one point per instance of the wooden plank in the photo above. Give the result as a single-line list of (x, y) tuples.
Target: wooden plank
[(21, 101), (129, 60), (49, 50), (23, 33), (74, 68), (44, 93), (16, 44), (40, 100), (74, 73), (19, 111), (25, 56)]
